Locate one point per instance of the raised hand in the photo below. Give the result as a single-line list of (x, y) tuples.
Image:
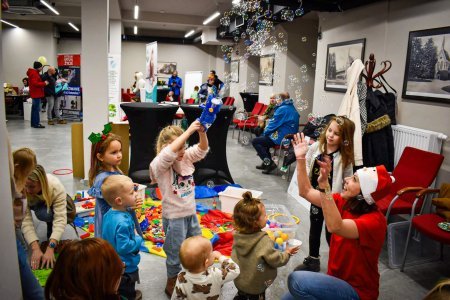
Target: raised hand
[(300, 145), (325, 169)]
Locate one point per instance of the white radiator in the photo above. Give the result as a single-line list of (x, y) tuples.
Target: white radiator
[(418, 138)]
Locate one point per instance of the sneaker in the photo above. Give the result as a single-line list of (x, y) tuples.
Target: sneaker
[(309, 264), (50, 122), (138, 295), (270, 168), (38, 126), (62, 121), (261, 167), (284, 169)]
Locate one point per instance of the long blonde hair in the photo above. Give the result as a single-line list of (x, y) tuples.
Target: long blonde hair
[(24, 160), (38, 174), (100, 147), (166, 135)]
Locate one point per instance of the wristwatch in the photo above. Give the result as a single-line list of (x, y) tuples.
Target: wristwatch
[(52, 245)]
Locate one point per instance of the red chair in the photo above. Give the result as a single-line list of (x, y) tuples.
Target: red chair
[(255, 111), (415, 171), (190, 101), (250, 123), (427, 224), (228, 101)]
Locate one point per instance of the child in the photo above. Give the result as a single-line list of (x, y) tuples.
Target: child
[(106, 156), (169, 96), (194, 94), (81, 266), (336, 142), (172, 168), (119, 230), (254, 251), (201, 280)]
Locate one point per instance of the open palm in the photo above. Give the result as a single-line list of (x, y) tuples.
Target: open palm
[(300, 145)]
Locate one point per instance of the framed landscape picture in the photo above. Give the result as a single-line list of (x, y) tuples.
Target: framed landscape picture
[(427, 68), (266, 65), (339, 57), (166, 68), (234, 70)]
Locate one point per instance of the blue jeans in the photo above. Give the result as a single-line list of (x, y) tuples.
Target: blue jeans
[(318, 286), (35, 111), (40, 210), (262, 144), (30, 286), (177, 230)]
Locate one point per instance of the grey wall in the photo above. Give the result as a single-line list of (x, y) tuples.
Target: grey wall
[(22, 46), (386, 26)]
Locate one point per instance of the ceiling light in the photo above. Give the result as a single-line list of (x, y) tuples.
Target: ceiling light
[(212, 17), (10, 24), (235, 1), (135, 29), (74, 27), (50, 7), (189, 33), (136, 12)]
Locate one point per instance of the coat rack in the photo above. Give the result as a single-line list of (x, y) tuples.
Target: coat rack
[(370, 67)]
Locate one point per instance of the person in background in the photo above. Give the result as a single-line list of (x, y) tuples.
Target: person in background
[(285, 121), (36, 93), (26, 89), (138, 85), (194, 94), (206, 89), (268, 114), (86, 269), (217, 82), (170, 96), (175, 84), (49, 91)]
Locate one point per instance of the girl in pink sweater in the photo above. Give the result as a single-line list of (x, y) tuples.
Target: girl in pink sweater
[(172, 168)]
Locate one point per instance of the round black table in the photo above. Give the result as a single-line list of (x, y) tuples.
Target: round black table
[(146, 120), (214, 167)]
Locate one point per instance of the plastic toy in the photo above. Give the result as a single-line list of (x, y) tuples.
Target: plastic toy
[(85, 235), (210, 110), (136, 221)]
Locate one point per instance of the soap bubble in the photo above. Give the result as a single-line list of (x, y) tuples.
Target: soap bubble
[(245, 140), (303, 69), (267, 161), (268, 14), (313, 65), (210, 184), (243, 35), (236, 38), (304, 39), (346, 143), (225, 21), (281, 35), (301, 104), (285, 42), (314, 54), (299, 12), (273, 39), (287, 15)]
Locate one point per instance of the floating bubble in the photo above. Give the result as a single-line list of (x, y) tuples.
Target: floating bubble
[(304, 39), (273, 39), (346, 143), (267, 161), (268, 13), (287, 15), (299, 12), (281, 35), (245, 140), (313, 65), (243, 35), (225, 21), (236, 38), (210, 184), (303, 69), (314, 54), (285, 42), (301, 104)]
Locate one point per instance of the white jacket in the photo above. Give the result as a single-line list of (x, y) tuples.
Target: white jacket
[(140, 82), (350, 107)]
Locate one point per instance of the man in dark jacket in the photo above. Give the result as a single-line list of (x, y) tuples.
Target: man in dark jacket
[(49, 92), (36, 93), (175, 84)]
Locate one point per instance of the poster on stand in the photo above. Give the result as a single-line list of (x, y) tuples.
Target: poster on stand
[(69, 70), (114, 111), (151, 58)]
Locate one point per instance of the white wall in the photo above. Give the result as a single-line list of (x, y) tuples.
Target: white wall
[(69, 46), (386, 26), (22, 46)]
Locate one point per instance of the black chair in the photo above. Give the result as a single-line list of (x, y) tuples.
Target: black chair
[(214, 167), (146, 121)]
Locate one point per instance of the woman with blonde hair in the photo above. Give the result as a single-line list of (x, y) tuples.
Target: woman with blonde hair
[(47, 197)]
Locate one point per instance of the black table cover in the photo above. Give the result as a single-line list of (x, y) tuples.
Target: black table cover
[(215, 166), (249, 100), (146, 121)]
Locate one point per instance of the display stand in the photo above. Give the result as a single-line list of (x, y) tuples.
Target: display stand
[(249, 100)]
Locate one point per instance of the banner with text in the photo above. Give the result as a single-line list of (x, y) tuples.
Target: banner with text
[(114, 93), (151, 57), (69, 72)]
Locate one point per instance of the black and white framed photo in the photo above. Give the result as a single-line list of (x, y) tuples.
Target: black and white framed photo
[(234, 70), (166, 68), (266, 65), (339, 57), (427, 69)]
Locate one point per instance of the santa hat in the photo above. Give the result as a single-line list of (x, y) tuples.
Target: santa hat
[(375, 183)]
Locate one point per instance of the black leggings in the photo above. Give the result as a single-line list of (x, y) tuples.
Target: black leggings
[(315, 231)]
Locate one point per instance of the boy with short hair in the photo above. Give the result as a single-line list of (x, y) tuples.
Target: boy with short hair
[(201, 280), (119, 230)]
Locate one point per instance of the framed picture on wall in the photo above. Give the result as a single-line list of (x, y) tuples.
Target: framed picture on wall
[(166, 68), (427, 68), (234, 70), (339, 57), (266, 65)]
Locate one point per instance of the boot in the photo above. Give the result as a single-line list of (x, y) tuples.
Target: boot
[(62, 121), (309, 264), (270, 167), (261, 167), (50, 122), (170, 286)]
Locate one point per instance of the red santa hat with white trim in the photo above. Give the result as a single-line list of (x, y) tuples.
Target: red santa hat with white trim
[(375, 183)]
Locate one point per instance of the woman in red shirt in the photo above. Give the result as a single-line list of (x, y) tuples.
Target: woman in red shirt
[(358, 230)]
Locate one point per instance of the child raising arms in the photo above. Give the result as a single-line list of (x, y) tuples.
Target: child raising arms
[(336, 142), (106, 156), (254, 251), (172, 168)]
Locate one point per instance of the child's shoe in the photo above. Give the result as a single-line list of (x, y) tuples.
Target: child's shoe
[(284, 169), (170, 286)]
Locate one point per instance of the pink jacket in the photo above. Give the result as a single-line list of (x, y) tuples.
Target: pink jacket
[(176, 181)]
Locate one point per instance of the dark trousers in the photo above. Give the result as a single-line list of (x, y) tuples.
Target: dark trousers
[(315, 231), (127, 287), (244, 296), (262, 144), (35, 110), (40, 210)]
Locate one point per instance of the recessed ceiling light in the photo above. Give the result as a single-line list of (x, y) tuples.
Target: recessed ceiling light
[(189, 33), (235, 1), (74, 27), (50, 7), (211, 17), (136, 12), (135, 29), (10, 24)]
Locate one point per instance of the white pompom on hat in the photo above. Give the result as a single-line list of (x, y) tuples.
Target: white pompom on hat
[(375, 183)]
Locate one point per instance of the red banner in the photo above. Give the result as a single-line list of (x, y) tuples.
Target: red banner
[(69, 60)]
